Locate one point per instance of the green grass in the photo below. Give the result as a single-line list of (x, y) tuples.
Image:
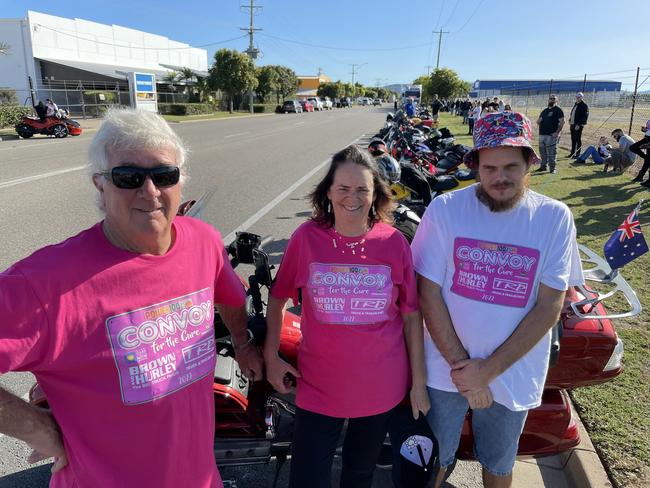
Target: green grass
[(616, 413), (215, 115)]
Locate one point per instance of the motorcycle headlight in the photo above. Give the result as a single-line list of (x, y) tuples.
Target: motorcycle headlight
[(616, 358)]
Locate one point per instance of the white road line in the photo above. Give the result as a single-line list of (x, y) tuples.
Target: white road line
[(22, 145), (300, 123), (235, 135), (273, 203), (27, 179)]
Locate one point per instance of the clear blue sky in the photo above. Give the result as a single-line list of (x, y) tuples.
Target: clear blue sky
[(489, 39)]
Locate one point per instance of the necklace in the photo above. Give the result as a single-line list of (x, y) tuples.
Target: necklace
[(339, 243)]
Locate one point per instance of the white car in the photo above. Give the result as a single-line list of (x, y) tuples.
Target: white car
[(318, 105), (327, 103)]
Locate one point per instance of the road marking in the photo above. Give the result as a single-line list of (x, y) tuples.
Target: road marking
[(27, 179), (235, 135), (38, 144), (300, 123), (273, 203)]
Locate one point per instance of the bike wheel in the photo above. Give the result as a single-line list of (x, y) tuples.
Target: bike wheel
[(59, 131)]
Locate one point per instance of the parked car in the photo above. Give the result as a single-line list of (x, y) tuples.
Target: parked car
[(346, 102), (318, 105), (377, 101), (327, 103), (291, 106), (364, 101), (307, 106)]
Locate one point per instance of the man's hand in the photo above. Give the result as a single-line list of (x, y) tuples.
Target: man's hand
[(46, 442), (470, 374), (478, 398), (277, 372), (419, 401), (250, 361)]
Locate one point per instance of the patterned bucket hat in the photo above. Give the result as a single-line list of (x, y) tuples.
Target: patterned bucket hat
[(501, 129)]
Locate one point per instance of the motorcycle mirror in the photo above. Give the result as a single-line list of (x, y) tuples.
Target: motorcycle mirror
[(197, 209)]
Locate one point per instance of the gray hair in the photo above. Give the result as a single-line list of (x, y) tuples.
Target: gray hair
[(127, 128)]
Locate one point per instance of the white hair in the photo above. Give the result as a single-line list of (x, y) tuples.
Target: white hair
[(127, 128)]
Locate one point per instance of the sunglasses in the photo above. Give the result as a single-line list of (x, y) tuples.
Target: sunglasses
[(132, 177)]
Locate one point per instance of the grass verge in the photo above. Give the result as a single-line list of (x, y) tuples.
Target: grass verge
[(212, 116), (617, 413)]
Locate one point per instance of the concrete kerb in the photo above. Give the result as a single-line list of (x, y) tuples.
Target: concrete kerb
[(583, 466)]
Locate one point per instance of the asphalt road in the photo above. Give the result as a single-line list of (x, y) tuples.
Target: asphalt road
[(261, 168)]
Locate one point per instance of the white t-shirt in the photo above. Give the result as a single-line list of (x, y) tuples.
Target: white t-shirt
[(489, 266)]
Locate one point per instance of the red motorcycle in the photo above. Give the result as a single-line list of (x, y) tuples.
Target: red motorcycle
[(50, 126), (254, 423)]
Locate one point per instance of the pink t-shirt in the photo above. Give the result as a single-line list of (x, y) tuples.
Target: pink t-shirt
[(352, 357), (123, 346)]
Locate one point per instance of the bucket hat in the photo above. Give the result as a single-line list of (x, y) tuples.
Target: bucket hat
[(501, 129)]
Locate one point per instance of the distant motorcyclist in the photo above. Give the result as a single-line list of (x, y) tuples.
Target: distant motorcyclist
[(51, 109)]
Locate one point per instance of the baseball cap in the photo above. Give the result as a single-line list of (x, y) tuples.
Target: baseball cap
[(501, 129), (580, 95)]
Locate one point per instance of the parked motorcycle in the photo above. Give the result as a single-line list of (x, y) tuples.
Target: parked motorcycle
[(254, 423), (58, 127)]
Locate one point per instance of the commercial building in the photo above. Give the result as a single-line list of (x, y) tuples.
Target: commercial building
[(53, 57), (491, 88), (308, 85)]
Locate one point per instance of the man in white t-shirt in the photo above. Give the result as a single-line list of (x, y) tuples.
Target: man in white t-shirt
[(494, 261)]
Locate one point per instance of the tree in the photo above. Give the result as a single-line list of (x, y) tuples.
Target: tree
[(4, 48), (371, 93), (287, 82), (171, 77), (202, 87), (331, 89), (447, 84), (233, 73), (267, 81)]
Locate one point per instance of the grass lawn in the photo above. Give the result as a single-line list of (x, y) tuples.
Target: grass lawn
[(616, 414), (215, 115)]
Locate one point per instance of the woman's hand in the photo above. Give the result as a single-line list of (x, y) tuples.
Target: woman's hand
[(419, 401), (277, 373)]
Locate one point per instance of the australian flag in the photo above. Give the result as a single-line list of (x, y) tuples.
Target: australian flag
[(627, 242)]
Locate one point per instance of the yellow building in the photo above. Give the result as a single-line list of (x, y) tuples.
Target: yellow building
[(308, 85)]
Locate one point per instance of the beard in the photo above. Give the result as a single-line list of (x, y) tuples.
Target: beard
[(501, 205)]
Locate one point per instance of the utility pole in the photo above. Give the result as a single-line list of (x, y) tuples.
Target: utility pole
[(428, 67), (354, 68), (251, 51), (440, 33)]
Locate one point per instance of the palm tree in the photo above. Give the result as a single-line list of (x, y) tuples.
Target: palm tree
[(4, 48), (186, 74), (170, 77)]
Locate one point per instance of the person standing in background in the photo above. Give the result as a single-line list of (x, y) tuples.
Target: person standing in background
[(577, 122)]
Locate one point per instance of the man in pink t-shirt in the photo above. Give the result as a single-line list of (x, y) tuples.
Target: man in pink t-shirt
[(116, 323)]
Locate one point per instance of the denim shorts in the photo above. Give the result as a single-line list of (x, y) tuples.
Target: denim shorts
[(496, 431)]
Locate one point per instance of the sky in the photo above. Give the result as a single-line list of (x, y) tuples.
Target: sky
[(393, 41)]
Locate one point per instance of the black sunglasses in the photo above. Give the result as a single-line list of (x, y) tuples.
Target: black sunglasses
[(132, 177)]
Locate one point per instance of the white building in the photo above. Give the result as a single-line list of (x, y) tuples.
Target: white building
[(47, 48)]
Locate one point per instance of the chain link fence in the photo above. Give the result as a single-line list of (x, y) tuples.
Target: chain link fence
[(628, 109)]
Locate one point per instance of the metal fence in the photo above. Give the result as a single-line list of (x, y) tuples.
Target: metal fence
[(628, 109)]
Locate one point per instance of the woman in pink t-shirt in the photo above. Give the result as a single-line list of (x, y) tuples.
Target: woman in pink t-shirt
[(360, 324)]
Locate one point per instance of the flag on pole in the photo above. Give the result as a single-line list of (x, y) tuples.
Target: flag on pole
[(627, 242)]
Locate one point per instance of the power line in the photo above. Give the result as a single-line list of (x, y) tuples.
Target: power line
[(470, 17), (81, 38), (442, 7), (344, 48), (451, 15)]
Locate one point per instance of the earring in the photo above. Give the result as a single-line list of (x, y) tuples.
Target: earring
[(329, 206)]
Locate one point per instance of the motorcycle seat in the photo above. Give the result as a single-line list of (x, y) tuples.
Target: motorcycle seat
[(443, 183)]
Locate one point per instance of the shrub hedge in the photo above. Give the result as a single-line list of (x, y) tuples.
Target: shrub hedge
[(185, 108), (10, 115)]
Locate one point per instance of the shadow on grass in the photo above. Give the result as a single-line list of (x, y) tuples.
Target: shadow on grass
[(605, 207)]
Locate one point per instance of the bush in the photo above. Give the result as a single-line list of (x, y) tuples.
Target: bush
[(185, 108), (259, 109), (11, 115)]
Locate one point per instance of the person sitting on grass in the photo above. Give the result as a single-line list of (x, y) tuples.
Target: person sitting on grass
[(598, 155), (621, 157)]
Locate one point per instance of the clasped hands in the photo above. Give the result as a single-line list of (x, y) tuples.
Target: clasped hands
[(471, 378)]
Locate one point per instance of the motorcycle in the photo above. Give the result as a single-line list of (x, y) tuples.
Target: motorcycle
[(59, 127), (254, 423)]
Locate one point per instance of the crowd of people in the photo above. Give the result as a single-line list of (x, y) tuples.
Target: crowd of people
[(436, 329), (550, 123)]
